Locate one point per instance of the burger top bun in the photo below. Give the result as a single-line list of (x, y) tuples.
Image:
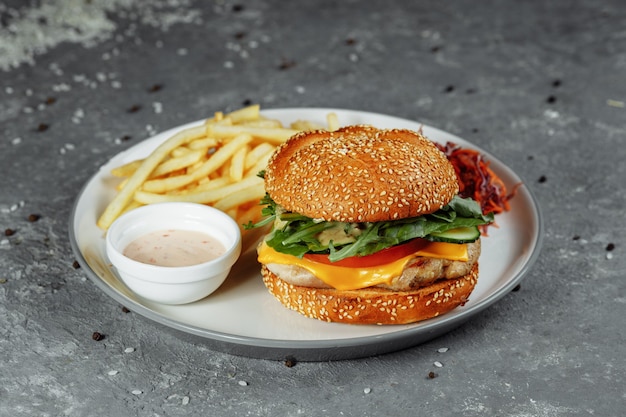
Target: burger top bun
[(360, 174)]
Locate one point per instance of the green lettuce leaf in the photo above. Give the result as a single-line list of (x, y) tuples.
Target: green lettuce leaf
[(296, 235)]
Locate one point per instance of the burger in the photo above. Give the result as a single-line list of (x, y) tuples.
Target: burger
[(367, 227)]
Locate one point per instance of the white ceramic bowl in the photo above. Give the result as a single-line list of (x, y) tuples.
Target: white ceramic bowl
[(179, 284)]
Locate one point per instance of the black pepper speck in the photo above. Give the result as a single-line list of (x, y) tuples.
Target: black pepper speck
[(97, 336), (286, 64), (542, 179), (610, 247), (9, 232), (33, 217)]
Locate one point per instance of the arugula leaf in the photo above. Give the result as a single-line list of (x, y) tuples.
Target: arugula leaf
[(296, 235)]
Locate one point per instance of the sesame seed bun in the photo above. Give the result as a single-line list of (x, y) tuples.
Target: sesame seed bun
[(360, 174), (373, 305)]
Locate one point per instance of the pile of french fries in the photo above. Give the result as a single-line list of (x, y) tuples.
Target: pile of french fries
[(215, 163)]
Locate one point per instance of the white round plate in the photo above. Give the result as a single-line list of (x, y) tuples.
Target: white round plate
[(242, 318)]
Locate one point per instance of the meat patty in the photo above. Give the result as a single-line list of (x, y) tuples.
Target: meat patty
[(418, 272)]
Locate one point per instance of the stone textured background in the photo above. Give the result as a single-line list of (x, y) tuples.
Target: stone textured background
[(541, 85)]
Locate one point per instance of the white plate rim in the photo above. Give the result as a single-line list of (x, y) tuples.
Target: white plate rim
[(326, 349)]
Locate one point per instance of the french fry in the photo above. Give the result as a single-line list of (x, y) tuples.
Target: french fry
[(180, 151), (260, 165), (245, 195), (202, 197), (125, 195), (131, 206), (232, 212), (333, 122), (306, 125), (209, 185), (212, 164), (204, 143), (122, 184), (268, 123), (256, 153), (273, 135), (180, 162), (126, 170), (252, 112), (237, 164)]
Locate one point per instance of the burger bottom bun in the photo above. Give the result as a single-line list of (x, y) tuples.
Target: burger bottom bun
[(373, 305)]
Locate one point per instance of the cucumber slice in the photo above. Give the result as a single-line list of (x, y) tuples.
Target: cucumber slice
[(458, 235)]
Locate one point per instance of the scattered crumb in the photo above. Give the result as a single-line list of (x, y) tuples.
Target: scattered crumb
[(129, 350), (112, 373), (442, 350), (438, 364), (243, 383), (137, 392), (290, 362), (367, 390)]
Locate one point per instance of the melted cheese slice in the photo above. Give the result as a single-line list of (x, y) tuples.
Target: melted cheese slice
[(346, 278)]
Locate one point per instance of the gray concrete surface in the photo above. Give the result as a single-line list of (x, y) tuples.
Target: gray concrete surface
[(541, 85)]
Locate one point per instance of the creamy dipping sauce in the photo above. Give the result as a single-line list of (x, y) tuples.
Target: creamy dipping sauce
[(174, 248)]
